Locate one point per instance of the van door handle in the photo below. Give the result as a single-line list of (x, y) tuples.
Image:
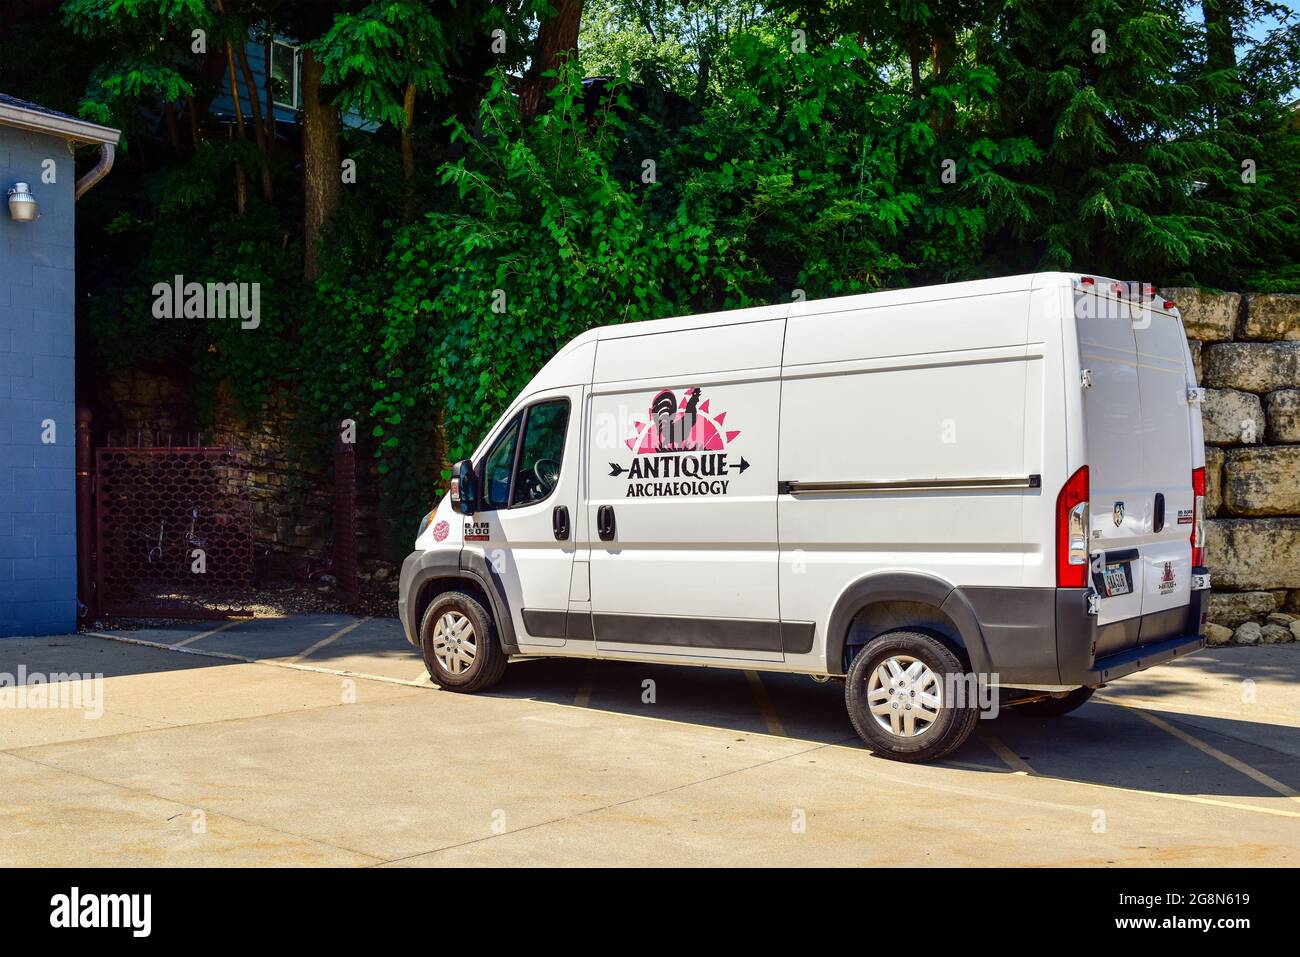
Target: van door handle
[(1158, 520), (605, 523), (560, 523)]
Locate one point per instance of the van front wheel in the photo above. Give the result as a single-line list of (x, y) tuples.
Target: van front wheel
[(459, 644), (901, 701)]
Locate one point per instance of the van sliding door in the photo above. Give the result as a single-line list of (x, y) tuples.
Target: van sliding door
[(682, 493)]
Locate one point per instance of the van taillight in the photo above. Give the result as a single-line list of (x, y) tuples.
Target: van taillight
[(1198, 517), (1072, 531)]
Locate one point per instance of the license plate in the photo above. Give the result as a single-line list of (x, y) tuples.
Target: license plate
[(1116, 578)]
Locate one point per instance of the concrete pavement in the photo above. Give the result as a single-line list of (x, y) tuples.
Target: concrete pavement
[(328, 746)]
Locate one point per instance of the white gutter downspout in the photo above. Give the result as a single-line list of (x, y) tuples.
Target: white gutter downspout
[(107, 151)]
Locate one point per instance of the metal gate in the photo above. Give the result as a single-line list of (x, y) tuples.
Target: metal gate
[(174, 532)]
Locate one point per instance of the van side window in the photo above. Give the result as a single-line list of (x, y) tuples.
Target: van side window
[(542, 452), (497, 468)]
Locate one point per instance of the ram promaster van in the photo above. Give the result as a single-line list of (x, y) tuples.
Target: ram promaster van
[(994, 484)]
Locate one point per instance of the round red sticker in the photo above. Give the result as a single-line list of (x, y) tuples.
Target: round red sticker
[(440, 531)]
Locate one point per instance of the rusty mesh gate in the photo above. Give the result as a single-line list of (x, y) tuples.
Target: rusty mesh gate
[(174, 532)]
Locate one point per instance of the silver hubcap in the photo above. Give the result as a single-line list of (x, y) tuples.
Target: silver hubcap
[(904, 696), (453, 643)]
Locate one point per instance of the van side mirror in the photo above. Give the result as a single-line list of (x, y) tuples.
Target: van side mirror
[(464, 487)]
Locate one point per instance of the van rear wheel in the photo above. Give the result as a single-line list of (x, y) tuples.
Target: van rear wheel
[(459, 644), (900, 702)]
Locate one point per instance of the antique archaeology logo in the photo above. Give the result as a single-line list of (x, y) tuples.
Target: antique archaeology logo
[(1168, 581), (680, 450)]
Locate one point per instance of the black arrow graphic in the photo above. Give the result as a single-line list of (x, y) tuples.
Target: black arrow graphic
[(616, 470), (742, 466)]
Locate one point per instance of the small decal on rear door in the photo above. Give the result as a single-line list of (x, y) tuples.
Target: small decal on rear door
[(1168, 581), (1184, 516), (681, 449)]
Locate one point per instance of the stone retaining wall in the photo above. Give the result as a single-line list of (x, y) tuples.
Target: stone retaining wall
[(1247, 353), (291, 490)]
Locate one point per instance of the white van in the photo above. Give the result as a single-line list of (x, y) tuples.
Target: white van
[(1001, 479)]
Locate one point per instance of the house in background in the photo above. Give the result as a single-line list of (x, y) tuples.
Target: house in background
[(276, 65), (38, 499)]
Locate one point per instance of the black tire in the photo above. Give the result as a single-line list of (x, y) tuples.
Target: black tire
[(944, 734), (489, 661), (1055, 707)]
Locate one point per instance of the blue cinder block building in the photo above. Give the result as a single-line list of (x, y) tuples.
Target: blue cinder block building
[(38, 508)]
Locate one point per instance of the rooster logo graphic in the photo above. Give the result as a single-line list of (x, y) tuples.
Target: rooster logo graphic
[(680, 425)]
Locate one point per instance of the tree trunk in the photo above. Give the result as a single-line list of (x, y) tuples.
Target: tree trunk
[(259, 132), (270, 93), (241, 184), (320, 160), (408, 153), (1220, 50), (914, 60), (173, 131), (194, 121), (943, 54), (702, 78), (557, 37)]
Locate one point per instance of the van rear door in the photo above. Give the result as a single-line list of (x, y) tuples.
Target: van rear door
[(1112, 413), (1137, 427), (1163, 383)]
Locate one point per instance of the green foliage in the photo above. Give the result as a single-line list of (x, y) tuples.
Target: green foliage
[(828, 146), (148, 44), (542, 244), (374, 53)]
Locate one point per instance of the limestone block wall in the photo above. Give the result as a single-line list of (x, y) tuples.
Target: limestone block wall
[(1246, 347)]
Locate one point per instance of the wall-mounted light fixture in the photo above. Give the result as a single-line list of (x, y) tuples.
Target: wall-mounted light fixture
[(22, 204)]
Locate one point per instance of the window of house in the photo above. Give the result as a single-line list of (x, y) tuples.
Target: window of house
[(286, 74)]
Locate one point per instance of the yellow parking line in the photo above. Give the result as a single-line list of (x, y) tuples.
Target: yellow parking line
[(1019, 766), (199, 637), (1190, 798), (1241, 714), (1273, 784), (765, 706), (1012, 760), (332, 638)]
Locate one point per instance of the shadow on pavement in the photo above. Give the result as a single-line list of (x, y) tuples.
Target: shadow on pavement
[(1102, 743)]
